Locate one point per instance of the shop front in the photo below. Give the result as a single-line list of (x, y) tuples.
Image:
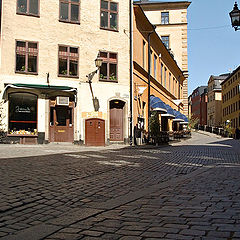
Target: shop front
[(23, 116), (61, 125), (40, 113)]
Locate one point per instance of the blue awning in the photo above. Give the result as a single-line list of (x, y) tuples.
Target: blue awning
[(185, 119), (170, 113), (178, 116), (156, 104)]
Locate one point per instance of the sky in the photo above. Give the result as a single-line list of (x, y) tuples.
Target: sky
[(213, 45)]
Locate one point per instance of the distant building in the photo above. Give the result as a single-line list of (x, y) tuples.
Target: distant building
[(214, 106), (230, 99), (199, 104), (203, 108), (190, 106), (170, 20)]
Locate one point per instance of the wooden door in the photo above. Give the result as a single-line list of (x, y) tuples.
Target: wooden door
[(61, 124), (116, 124), (95, 132)]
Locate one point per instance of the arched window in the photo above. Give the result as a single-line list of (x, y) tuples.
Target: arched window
[(22, 113)]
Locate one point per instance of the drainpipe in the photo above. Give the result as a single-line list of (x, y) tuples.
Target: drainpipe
[(149, 81), (131, 70), (179, 90)]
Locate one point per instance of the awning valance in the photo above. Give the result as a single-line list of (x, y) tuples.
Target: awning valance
[(46, 88), (156, 104)]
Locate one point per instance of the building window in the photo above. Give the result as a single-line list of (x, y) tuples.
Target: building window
[(26, 57), (165, 77), (67, 61), (170, 77), (108, 70), (165, 17), (161, 73), (22, 113), (151, 70), (155, 66), (173, 86), (109, 15), (165, 40), (144, 55), (69, 10), (176, 88), (28, 7)]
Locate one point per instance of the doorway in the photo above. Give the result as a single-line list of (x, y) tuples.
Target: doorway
[(61, 124), (116, 120), (95, 132)]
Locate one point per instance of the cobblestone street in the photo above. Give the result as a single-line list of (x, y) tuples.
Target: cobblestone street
[(189, 190)]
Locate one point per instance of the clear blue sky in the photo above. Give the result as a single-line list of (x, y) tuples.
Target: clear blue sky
[(213, 45), (215, 50)]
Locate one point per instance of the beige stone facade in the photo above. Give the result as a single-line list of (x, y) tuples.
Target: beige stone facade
[(175, 28), (49, 32)]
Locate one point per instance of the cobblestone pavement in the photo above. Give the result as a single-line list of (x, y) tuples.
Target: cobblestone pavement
[(189, 190)]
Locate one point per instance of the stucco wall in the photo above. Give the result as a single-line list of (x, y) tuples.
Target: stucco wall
[(49, 33)]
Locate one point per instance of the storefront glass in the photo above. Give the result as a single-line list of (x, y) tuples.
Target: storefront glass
[(22, 113)]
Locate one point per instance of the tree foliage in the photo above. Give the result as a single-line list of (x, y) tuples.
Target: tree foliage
[(154, 124), (192, 122)]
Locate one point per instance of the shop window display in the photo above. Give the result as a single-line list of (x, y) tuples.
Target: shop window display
[(22, 113)]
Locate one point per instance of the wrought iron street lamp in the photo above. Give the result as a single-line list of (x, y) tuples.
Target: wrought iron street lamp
[(98, 64), (235, 17), (98, 61)]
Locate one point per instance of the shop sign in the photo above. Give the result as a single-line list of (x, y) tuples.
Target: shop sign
[(94, 115), (22, 109)]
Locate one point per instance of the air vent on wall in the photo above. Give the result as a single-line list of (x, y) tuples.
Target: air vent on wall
[(63, 101)]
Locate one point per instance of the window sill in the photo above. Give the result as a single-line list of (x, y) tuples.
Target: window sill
[(71, 22), (26, 73), (21, 135), (109, 29), (67, 76), (28, 14), (106, 80)]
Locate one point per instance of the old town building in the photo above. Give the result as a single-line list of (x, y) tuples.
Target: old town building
[(52, 90), (231, 100), (199, 104), (214, 106), (153, 64), (170, 20)]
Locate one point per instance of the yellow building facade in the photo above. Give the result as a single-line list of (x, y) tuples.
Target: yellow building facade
[(170, 19), (231, 99), (166, 78)]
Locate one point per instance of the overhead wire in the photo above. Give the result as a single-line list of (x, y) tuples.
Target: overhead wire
[(207, 28)]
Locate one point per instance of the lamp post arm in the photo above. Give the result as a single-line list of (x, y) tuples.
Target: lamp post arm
[(94, 99), (90, 77)]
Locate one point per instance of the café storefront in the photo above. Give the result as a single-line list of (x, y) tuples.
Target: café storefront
[(40, 113)]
